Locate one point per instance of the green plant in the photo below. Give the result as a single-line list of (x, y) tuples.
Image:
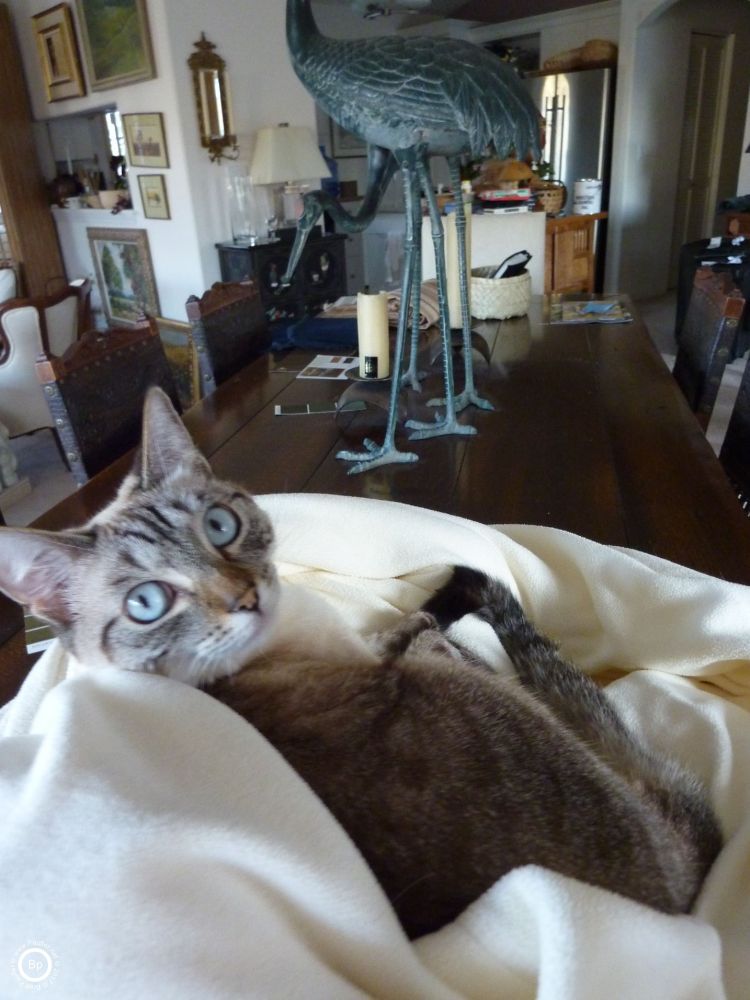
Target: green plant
[(543, 170)]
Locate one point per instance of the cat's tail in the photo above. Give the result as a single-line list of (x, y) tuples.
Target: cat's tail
[(566, 690), (581, 705)]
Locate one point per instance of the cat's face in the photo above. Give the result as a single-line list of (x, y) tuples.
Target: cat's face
[(174, 577)]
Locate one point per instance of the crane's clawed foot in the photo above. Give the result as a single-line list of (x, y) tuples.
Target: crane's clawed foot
[(439, 428), (412, 380), (374, 456), (468, 397)]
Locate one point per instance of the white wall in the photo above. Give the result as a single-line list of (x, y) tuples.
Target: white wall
[(250, 36), (178, 272), (654, 38)]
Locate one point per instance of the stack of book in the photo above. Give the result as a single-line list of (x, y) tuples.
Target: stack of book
[(505, 200)]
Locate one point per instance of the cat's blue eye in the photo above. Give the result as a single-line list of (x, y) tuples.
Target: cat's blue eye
[(221, 525), (148, 602)]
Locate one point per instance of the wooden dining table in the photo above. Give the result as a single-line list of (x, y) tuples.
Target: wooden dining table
[(589, 433)]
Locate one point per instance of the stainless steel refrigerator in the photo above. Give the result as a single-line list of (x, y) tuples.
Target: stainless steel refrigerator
[(578, 108)]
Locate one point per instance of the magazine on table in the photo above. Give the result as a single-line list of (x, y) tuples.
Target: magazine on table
[(590, 311)]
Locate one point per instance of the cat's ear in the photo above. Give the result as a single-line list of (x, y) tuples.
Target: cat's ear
[(166, 447), (36, 568)]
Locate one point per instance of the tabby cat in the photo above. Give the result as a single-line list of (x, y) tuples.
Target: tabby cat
[(444, 774)]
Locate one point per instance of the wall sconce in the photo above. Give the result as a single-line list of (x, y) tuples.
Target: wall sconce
[(287, 155), (211, 88)]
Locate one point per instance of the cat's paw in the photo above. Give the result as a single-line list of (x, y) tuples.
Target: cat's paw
[(396, 641)]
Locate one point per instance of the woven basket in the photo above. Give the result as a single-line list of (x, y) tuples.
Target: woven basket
[(549, 196), (500, 298)]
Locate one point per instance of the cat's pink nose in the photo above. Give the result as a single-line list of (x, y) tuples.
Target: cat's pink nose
[(247, 601)]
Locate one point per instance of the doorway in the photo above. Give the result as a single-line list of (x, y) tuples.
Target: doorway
[(702, 139)]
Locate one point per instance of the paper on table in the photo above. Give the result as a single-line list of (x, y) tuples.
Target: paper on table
[(330, 366)]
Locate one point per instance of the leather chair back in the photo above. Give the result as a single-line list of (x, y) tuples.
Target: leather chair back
[(707, 338), (95, 393), (229, 330)]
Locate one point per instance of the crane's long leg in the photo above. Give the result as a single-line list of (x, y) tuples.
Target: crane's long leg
[(387, 453), (469, 395), (448, 424), (412, 375)]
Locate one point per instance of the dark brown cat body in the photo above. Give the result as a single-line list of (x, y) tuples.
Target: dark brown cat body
[(445, 774)]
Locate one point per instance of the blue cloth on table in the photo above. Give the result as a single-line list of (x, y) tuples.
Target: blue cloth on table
[(316, 333)]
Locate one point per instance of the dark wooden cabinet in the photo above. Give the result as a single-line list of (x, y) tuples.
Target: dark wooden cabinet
[(320, 275)]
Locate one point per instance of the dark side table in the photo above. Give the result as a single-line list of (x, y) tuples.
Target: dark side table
[(320, 276)]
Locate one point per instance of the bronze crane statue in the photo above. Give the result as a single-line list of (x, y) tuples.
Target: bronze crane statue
[(381, 166), (417, 97)]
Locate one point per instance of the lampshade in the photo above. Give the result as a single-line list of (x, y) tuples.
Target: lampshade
[(285, 153)]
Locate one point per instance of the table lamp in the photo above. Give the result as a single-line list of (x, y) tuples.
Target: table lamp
[(287, 156)]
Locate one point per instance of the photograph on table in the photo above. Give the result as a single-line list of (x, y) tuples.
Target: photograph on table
[(58, 53), (124, 273), (116, 42)]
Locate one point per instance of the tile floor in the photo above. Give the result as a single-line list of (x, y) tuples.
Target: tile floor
[(51, 482), (41, 463)]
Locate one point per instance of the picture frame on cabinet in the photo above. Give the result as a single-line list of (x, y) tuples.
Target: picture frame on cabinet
[(144, 137), (116, 42), (154, 196), (58, 53), (124, 274)]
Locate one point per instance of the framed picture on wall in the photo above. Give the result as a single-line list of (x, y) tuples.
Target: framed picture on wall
[(345, 143), (58, 53), (154, 196), (116, 42), (144, 136), (124, 273)]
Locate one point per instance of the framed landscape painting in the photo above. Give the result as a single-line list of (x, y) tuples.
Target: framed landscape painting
[(116, 42), (124, 273)]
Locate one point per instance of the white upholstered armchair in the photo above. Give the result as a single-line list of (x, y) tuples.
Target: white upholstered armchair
[(29, 328)]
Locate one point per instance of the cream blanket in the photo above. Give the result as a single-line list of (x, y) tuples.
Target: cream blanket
[(152, 844)]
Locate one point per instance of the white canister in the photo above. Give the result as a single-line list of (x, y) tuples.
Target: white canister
[(372, 335), (587, 196)]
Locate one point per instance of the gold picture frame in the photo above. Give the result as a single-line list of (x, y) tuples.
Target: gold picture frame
[(154, 196), (125, 274), (58, 53), (144, 136), (116, 42)]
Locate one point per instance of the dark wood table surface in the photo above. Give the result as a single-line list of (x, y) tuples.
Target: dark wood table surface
[(590, 434)]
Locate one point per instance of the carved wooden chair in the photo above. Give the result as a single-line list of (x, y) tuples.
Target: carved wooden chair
[(230, 329), (708, 333), (735, 450), (95, 393), (46, 324)]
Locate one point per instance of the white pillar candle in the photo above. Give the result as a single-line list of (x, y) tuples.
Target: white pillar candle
[(451, 267), (372, 334)]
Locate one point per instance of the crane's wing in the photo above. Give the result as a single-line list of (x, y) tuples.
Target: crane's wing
[(396, 86)]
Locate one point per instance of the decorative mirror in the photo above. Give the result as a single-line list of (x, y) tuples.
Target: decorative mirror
[(212, 101)]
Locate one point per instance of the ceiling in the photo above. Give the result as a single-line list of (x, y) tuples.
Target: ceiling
[(489, 11)]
